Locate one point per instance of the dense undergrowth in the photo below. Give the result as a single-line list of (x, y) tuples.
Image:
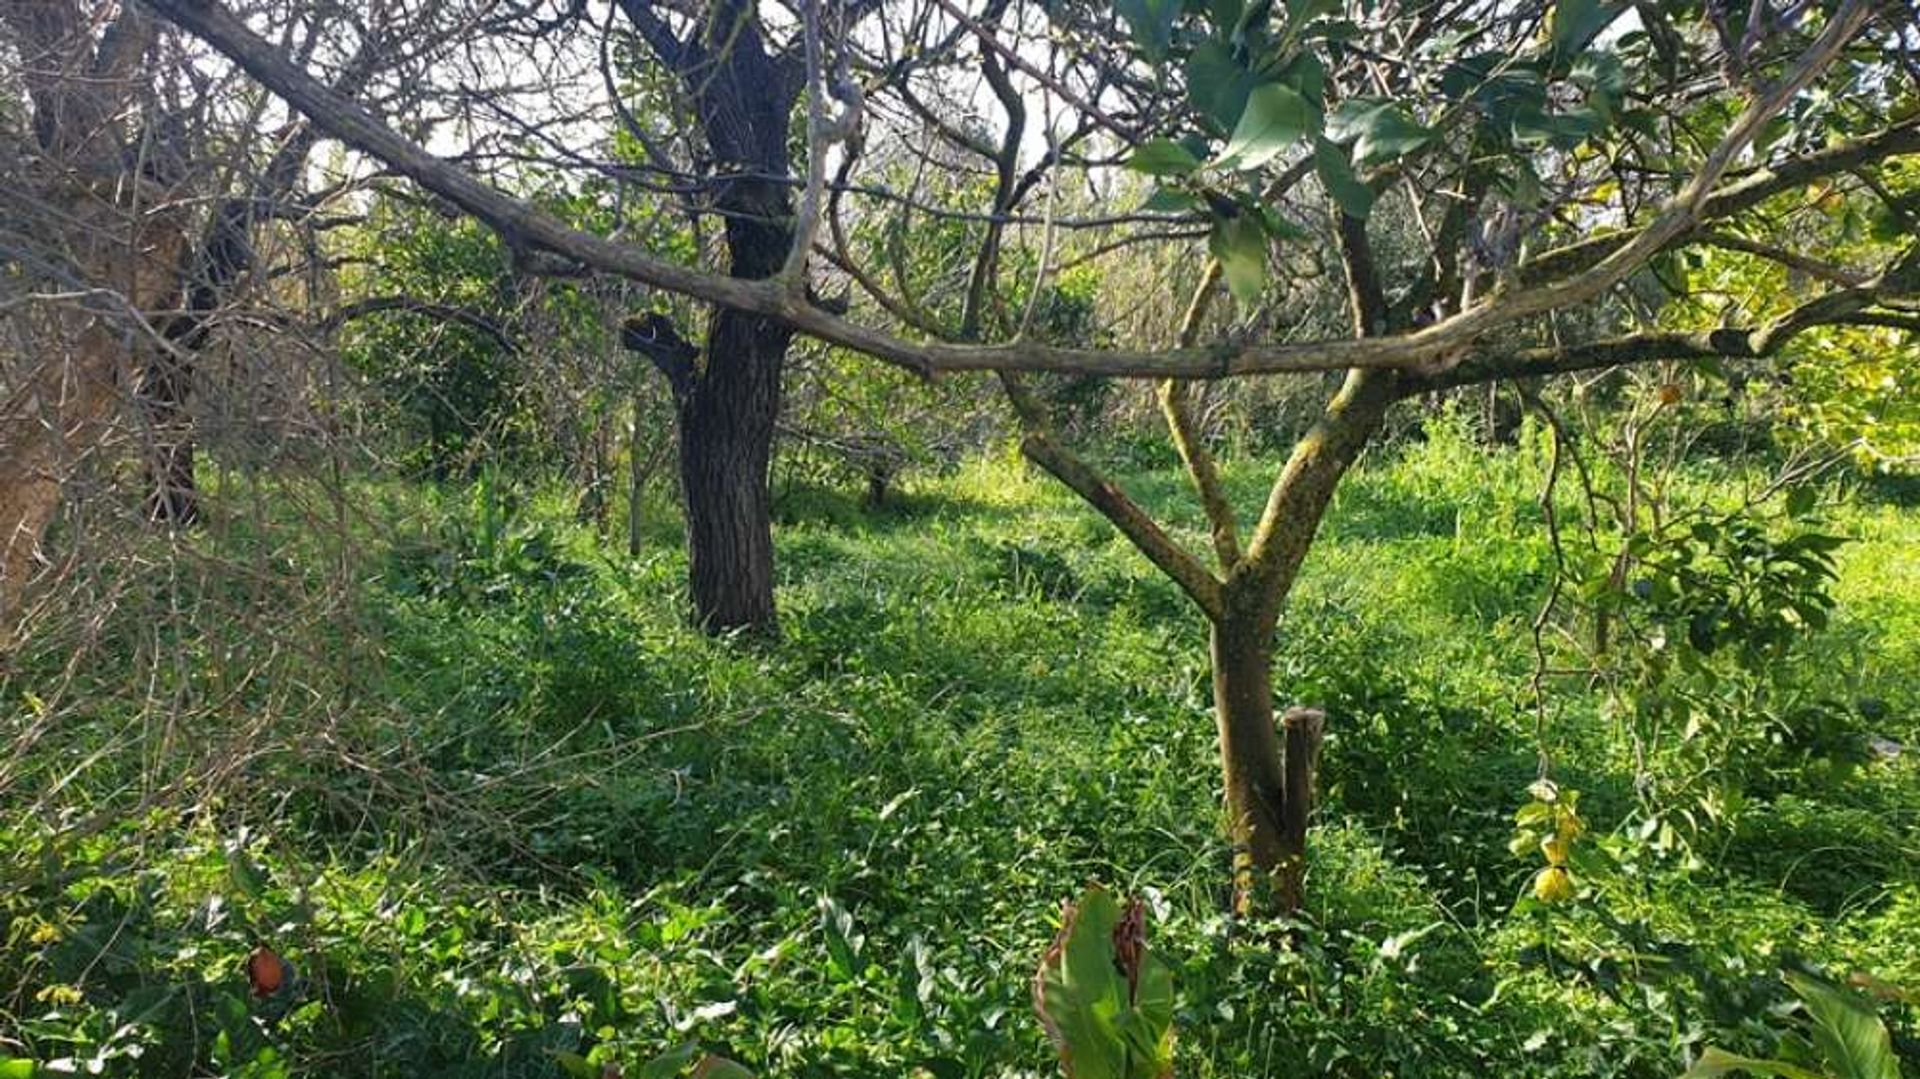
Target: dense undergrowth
[(499, 804)]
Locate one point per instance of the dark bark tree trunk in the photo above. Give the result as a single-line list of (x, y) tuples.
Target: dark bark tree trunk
[(729, 399), (726, 423), (213, 271), (172, 496)]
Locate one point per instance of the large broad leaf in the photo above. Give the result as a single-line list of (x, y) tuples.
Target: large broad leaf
[(1151, 22), (1575, 22), (1561, 130), (1715, 1062), (670, 1064), (717, 1067), (1217, 85), (1171, 200), (1330, 162), (1103, 1028), (844, 958), (1846, 1030), (1276, 115), (1240, 243), (1381, 132), (1345, 120), (1162, 157), (1605, 79)]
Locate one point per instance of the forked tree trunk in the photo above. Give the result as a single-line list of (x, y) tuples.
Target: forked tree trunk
[(1267, 769), (728, 394)]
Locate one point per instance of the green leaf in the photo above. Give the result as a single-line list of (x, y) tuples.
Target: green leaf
[(1345, 120), (1604, 78), (1308, 75), (245, 876), (1355, 198), (1151, 22), (1103, 1028), (1278, 227), (1276, 115), (843, 946), (1800, 501), (719, 1067), (1162, 157), (1171, 200), (16, 1068), (1240, 243), (1576, 22), (1388, 133), (670, 1063), (1717, 1062), (1303, 11), (1846, 1030), (1080, 993), (1218, 86), (1562, 130)]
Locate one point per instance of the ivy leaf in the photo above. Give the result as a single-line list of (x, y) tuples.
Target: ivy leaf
[(1162, 157), (1275, 116), (1240, 243), (1330, 162)]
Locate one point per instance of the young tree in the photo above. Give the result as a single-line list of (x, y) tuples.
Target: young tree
[(1546, 154)]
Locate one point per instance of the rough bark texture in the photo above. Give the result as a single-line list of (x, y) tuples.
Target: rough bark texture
[(64, 407), (221, 261), (728, 394), (119, 242), (1254, 773), (726, 422), (1267, 768)]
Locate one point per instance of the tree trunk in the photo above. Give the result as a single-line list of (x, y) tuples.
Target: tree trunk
[(728, 395), (172, 497), (1268, 784), (726, 422)]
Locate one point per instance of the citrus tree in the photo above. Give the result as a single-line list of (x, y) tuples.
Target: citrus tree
[(1537, 165)]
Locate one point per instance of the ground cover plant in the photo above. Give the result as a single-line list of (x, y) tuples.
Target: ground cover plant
[(674, 537), (557, 821)]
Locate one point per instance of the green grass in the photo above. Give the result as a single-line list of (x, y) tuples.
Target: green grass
[(505, 804)]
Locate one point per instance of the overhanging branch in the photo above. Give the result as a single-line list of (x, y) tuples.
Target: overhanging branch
[(525, 226), (1898, 285)]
